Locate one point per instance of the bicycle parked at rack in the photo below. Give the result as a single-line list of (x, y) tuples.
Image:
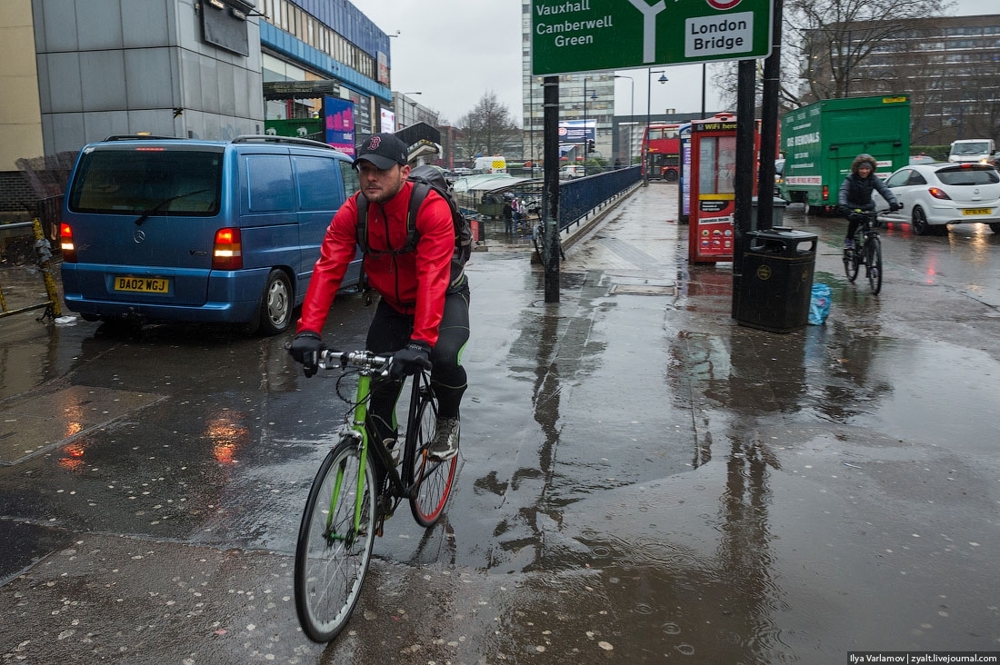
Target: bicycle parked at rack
[(538, 239), (359, 485), (866, 250)]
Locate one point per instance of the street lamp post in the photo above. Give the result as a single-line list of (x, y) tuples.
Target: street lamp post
[(649, 88), (703, 91), (584, 125), (586, 131), (531, 121), (631, 114)]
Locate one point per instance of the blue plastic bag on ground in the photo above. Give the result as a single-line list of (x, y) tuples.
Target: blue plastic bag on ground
[(819, 305)]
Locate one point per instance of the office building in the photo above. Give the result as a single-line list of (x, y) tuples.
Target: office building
[(587, 96), (950, 66), (80, 71)]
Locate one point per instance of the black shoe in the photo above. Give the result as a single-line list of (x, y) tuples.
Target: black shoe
[(444, 445)]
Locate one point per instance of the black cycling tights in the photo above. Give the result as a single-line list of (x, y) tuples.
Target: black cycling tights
[(390, 331)]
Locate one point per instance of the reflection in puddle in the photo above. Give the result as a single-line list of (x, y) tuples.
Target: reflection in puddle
[(72, 456)]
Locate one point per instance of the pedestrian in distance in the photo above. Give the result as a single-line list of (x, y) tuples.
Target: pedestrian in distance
[(422, 318), (856, 192), (515, 211), (508, 217)]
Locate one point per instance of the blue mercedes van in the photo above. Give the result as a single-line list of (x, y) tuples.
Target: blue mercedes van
[(159, 229)]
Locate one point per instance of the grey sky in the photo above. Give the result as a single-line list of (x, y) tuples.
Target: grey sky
[(454, 51)]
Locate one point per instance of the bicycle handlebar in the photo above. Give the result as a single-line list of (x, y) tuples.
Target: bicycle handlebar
[(884, 211), (365, 360)]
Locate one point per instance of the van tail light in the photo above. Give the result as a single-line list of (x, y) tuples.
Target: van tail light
[(227, 254), (66, 243), (939, 193), (826, 192)]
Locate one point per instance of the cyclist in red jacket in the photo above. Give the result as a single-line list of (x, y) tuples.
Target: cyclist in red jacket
[(422, 319)]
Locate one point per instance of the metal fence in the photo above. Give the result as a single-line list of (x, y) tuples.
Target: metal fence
[(578, 197), (49, 214), (42, 258)]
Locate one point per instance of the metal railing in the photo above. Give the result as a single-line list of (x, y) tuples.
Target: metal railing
[(581, 196), (43, 254)]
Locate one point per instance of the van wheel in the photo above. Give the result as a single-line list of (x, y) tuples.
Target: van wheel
[(276, 304)]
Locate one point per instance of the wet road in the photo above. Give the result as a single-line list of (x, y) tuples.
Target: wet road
[(642, 480)]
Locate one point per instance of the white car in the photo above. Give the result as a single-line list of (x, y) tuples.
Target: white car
[(935, 195), (570, 171)]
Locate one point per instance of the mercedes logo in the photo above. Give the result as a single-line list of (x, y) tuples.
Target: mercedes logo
[(139, 236)]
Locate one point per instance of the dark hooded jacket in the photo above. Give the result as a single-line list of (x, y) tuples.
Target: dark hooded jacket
[(856, 192)]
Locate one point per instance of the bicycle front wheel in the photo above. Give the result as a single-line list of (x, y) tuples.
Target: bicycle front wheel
[(334, 546), (431, 480), (874, 261), (851, 263)]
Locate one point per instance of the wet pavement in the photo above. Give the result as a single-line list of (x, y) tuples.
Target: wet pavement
[(642, 479)]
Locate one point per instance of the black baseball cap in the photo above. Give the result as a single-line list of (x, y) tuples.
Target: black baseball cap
[(383, 150)]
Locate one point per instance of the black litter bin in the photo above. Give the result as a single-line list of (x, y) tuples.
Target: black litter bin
[(776, 283), (778, 206)]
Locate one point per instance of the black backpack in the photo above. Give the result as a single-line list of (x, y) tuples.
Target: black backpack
[(424, 179)]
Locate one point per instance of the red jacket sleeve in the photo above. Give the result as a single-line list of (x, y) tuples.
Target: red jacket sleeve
[(336, 253)]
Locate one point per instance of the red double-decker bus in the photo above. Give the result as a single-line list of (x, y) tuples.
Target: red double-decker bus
[(661, 151)]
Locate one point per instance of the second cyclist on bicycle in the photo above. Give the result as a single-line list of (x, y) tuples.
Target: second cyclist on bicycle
[(856, 193), (422, 317)]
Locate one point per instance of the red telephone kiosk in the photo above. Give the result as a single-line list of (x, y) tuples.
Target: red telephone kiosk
[(711, 235)]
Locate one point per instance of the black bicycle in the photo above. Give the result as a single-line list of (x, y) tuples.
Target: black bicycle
[(538, 239), (867, 248), (359, 484)]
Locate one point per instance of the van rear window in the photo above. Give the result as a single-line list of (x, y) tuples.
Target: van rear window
[(133, 182)]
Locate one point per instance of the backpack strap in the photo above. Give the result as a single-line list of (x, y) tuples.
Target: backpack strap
[(361, 228), (417, 197)]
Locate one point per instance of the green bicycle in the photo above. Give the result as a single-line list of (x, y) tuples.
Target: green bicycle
[(359, 484)]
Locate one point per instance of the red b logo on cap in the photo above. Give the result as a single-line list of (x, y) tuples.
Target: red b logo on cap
[(373, 144)]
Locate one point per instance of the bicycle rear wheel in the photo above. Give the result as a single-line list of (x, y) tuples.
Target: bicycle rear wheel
[(432, 480), (331, 555), (874, 261)]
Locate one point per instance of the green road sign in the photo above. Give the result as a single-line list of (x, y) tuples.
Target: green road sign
[(589, 35)]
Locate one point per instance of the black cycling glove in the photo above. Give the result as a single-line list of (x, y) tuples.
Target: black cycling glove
[(410, 359), (305, 348)]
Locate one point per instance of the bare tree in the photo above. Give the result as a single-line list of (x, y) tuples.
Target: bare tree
[(981, 93), (834, 37), (828, 44), (489, 128)]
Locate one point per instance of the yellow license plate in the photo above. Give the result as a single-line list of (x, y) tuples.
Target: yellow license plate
[(142, 284), (977, 211)]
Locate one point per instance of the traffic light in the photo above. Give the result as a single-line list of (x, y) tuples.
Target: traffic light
[(590, 146)]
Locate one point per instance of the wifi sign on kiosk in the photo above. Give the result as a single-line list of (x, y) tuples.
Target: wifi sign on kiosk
[(711, 233)]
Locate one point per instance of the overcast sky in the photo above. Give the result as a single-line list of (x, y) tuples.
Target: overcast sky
[(454, 51)]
